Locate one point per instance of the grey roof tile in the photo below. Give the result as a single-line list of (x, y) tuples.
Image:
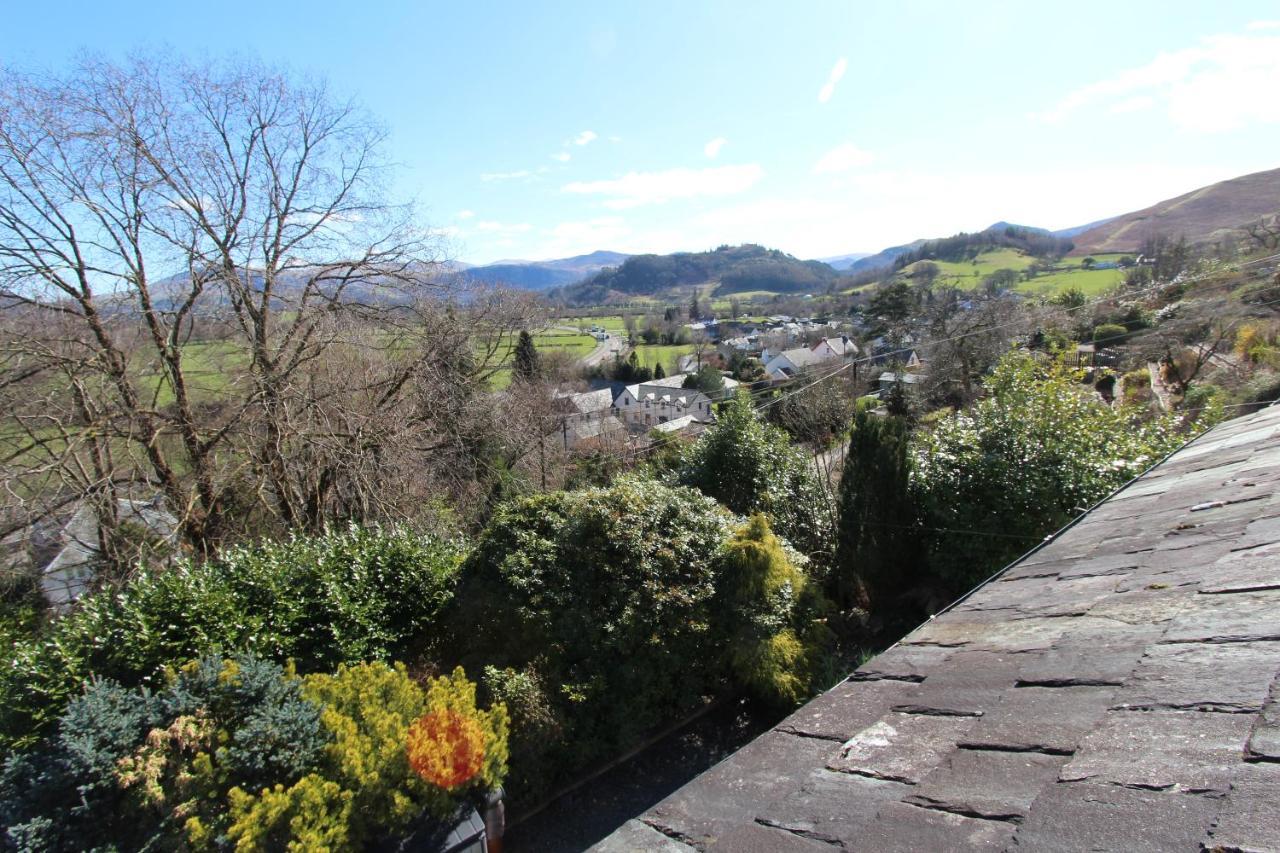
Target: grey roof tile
[(990, 784), (1084, 816), (833, 807), (1249, 819), (903, 827), (901, 747), (1041, 719), (1187, 750)]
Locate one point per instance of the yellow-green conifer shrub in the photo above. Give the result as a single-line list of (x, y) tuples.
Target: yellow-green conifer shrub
[(777, 632), (368, 786)]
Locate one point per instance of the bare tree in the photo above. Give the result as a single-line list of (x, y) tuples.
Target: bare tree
[(968, 332), (1264, 233), (206, 292)]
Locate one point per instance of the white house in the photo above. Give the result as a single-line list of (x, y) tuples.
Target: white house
[(71, 571), (651, 403), (841, 347), (789, 362)]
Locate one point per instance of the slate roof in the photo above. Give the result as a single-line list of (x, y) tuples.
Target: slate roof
[(1116, 689)]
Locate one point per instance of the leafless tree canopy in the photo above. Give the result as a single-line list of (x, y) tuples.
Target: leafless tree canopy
[(205, 292)]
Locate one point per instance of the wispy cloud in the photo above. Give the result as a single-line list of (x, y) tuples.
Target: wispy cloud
[(712, 148), (842, 158), (640, 188), (1263, 25), (585, 138), (1223, 83), (466, 214), (505, 176), (829, 88), (562, 156)]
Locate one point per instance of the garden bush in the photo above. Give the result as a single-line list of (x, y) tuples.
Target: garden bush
[(607, 594), (993, 480), (243, 753), (343, 597), (1109, 334), (776, 632), (751, 466)]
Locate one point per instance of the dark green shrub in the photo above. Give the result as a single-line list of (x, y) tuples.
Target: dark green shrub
[(607, 594), (1109, 334), (877, 548), (751, 466)]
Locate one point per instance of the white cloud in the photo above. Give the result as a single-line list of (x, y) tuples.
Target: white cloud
[(640, 188), (867, 210), (492, 227), (1133, 105), (585, 138), (466, 214), (580, 237), (1224, 83), (829, 88), (712, 148), (505, 176), (1263, 25), (842, 158), (562, 156)]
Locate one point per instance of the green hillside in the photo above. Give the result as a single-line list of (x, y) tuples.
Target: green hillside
[(727, 270), (1051, 278)]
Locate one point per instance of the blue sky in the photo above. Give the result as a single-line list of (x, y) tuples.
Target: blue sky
[(539, 130)]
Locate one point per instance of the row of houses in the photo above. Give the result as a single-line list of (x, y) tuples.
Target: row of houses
[(610, 415)]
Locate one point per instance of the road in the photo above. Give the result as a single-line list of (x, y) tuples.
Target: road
[(605, 349)]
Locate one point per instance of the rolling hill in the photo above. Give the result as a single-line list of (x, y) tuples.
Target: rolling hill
[(1203, 215), (729, 269)]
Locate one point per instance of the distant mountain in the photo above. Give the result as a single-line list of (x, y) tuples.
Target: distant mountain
[(884, 259), (1080, 229), (732, 269), (543, 275), (1202, 216), (844, 262)]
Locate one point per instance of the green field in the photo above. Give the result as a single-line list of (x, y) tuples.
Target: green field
[(613, 323), (1067, 274), (1090, 282), (573, 344), (664, 354)]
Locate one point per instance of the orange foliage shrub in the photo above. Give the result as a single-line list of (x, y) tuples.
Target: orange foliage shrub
[(446, 748)]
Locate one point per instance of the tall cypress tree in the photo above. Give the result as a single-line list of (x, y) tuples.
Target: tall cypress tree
[(658, 371), (525, 365), (877, 549)]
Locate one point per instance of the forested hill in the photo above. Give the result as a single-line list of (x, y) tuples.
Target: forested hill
[(966, 247), (732, 269)]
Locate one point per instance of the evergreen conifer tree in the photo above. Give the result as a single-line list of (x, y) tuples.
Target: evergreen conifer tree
[(526, 364), (877, 547)]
